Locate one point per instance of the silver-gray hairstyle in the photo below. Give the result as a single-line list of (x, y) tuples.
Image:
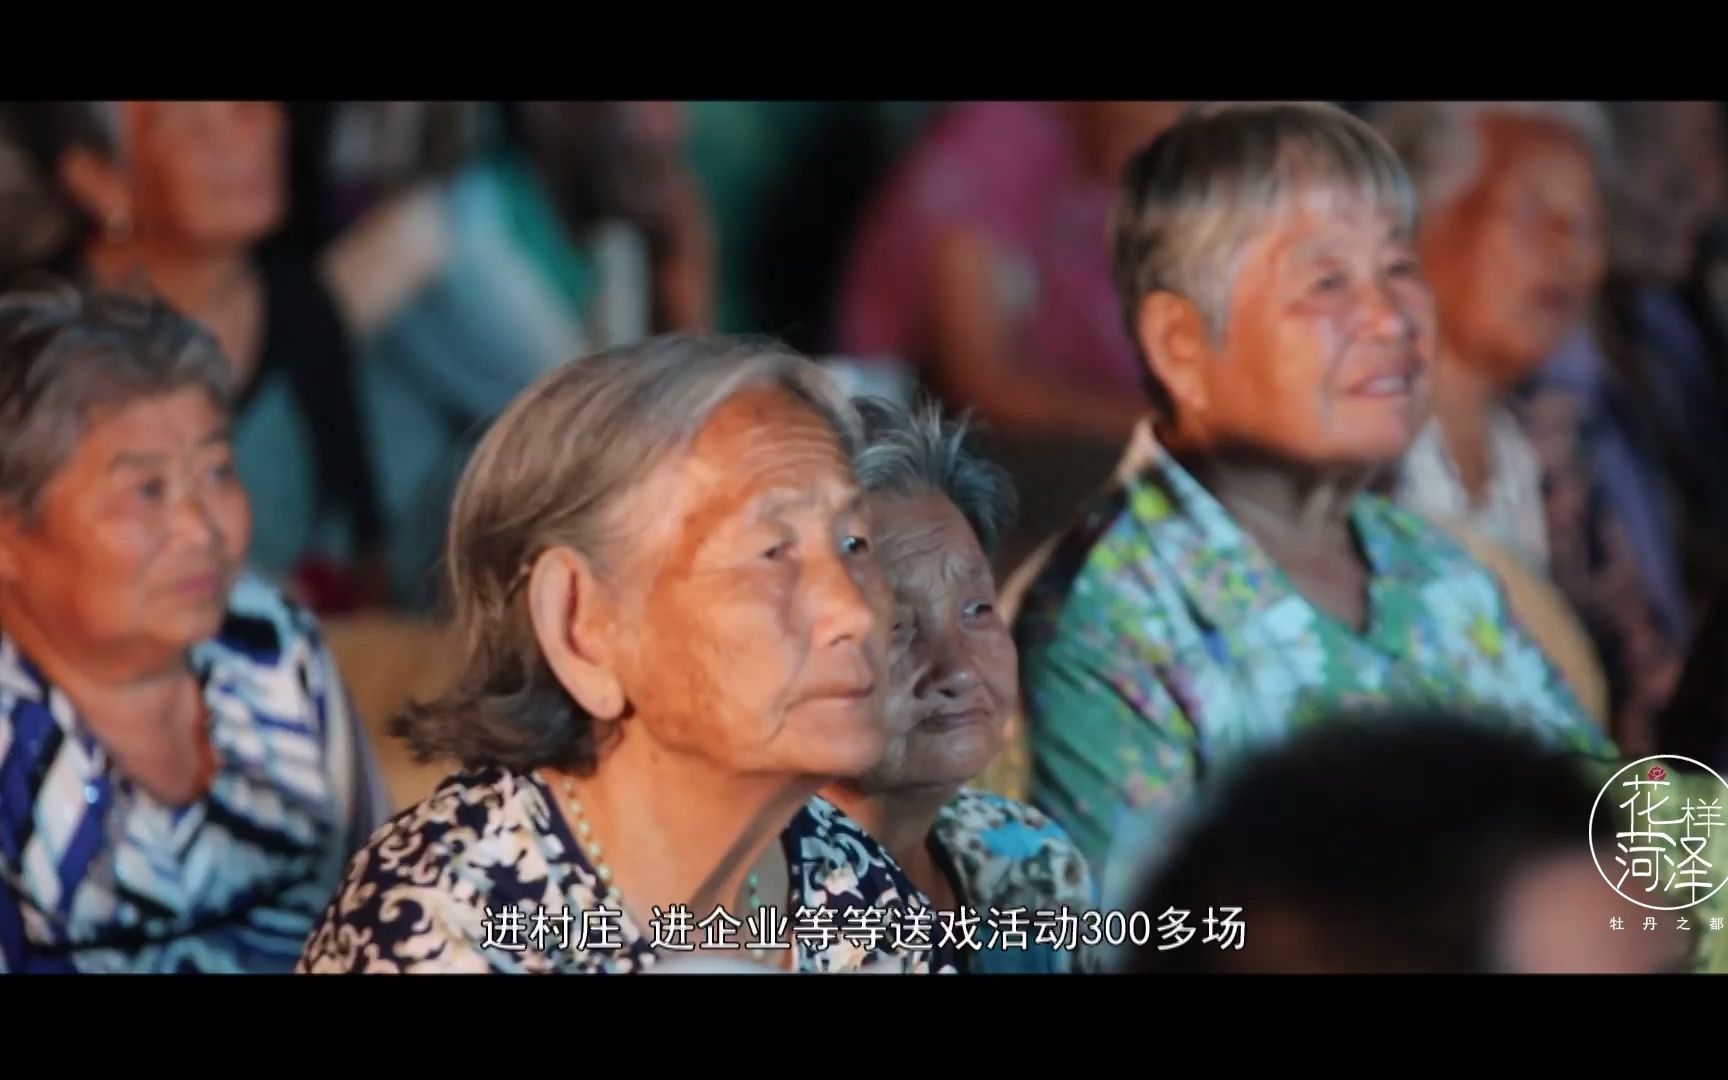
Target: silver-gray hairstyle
[(1190, 203), (1441, 142), (908, 451), (65, 352), (559, 467)]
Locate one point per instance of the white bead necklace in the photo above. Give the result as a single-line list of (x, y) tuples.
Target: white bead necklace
[(603, 870)]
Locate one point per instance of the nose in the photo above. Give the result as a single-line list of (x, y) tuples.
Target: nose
[(196, 525), (1389, 314), (948, 669), (844, 605)]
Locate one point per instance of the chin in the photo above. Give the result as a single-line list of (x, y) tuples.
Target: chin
[(848, 755)]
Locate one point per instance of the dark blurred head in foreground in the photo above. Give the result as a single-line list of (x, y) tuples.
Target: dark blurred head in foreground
[(1414, 843)]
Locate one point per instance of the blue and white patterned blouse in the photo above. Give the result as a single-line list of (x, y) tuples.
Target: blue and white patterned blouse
[(485, 876), (98, 876)]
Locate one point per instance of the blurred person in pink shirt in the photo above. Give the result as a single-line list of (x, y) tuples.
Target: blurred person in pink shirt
[(985, 263)]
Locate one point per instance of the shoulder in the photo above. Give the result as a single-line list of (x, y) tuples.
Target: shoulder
[(1011, 854), (838, 864), (263, 628), (1092, 553), (416, 895), (1416, 547)]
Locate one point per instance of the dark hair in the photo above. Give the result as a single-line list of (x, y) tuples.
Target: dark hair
[(46, 130), (1390, 835)]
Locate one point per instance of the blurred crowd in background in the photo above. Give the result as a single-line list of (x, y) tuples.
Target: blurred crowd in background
[(385, 277)]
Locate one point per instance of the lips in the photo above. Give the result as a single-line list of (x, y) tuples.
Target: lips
[(954, 718), (1387, 386), (1389, 380), (842, 692)]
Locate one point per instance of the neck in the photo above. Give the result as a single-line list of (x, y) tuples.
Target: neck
[(118, 696), (1464, 395), (676, 829), (901, 822), (197, 281), (1301, 503)]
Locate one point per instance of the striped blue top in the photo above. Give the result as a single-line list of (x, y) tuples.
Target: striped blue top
[(97, 876)]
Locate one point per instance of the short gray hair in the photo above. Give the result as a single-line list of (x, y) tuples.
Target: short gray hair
[(65, 352), (912, 451), (556, 469), (1441, 142), (1190, 203)]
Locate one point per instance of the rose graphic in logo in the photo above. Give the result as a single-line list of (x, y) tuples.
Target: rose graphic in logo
[(1658, 773)]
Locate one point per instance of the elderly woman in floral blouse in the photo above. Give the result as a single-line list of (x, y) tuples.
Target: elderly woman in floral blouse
[(662, 569), (1239, 583), (938, 510)]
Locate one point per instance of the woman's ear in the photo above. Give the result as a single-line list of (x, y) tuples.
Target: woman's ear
[(571, 624), (97, 185), (1173, 338)]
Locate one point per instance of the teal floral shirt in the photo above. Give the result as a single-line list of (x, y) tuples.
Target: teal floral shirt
[(1019, 873), (1161, 644)]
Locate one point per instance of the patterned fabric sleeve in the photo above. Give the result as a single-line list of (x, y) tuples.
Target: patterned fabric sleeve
[(355, 781), (1114, 752), (1594, 566), (386, 920)]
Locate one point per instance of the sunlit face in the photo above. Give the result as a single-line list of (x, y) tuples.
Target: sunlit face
[(1326, 354), (1516, 260), (206, 174), (759, 623), (139, 536), (952, 673)]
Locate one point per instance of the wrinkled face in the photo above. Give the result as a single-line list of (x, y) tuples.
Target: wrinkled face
[(138, 537), (1515, 261), (205, 174), (1326, 354), (759, 623), (952, 670)]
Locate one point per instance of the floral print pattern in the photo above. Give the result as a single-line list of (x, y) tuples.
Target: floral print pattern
[(1162, 644), (484, 876)]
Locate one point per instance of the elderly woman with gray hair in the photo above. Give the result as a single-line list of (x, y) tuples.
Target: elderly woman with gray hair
[(177, 199), (938, 510), (1512, 244), (1238, 583), (662, 570), (181, 780)]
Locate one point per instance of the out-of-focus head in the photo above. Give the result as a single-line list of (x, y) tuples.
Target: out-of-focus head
[(606, 159), (1264, 259), (1512, 220), (186, 175), (1669, 184), (668, 539), (122, 524), (1112, 131), (938, 509), (1414, 843)]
